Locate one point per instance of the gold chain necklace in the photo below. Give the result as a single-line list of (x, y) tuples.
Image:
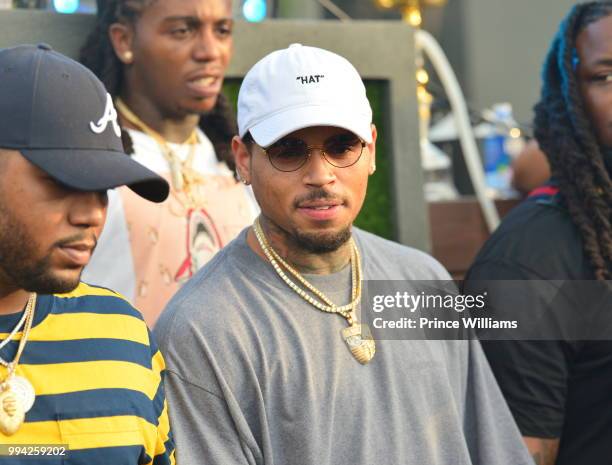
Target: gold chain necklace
[(16, 393), (357, 336), (11, 335), (185, 179), (329, 306)]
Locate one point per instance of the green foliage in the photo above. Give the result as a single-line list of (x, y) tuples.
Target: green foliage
[(376, 214), (230, 89)]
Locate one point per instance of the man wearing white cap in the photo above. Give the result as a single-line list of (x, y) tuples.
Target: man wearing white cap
[(267, 362)]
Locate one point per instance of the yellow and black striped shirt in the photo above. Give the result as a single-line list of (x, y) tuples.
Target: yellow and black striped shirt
[(97, 374)]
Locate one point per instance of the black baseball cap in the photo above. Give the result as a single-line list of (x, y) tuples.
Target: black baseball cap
[(60, 117)]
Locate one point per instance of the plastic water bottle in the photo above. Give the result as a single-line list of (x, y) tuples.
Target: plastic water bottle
[(498, 149)]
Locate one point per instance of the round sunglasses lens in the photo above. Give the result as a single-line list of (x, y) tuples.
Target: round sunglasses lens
[(287, 158), (344, 154)]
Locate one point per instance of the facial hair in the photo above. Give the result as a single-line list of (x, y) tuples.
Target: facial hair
[(319, 242), (18, 262)]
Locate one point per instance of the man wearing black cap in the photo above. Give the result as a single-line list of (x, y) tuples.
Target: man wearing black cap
[(80, 376)]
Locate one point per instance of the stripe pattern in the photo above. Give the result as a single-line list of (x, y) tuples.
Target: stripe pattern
[(97, 374)]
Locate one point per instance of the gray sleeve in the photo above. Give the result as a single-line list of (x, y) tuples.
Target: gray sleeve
[(205, 406), (203, 427), (491, 434)]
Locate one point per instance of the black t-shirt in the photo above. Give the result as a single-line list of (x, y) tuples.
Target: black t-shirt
[(554, 388)]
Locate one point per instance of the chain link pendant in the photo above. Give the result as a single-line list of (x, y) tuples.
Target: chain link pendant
[(360, 342)]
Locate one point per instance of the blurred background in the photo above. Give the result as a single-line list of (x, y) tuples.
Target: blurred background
[(495, 46), (472, 102)]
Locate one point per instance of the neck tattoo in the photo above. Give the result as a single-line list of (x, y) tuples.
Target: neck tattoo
[(357, 336)]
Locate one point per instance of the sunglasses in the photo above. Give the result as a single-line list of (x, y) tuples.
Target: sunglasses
[(290, 154)]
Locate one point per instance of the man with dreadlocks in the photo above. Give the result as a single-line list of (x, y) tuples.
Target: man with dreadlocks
[(560, 390), (163, 62)]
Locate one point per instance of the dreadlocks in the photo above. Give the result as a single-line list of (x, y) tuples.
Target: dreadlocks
[(566, 135), (98, 55)]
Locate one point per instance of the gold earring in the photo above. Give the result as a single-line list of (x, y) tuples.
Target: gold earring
[(128, 56), (242, 180)]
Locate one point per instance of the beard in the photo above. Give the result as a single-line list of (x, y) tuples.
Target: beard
[(18, 264), (320, 243)]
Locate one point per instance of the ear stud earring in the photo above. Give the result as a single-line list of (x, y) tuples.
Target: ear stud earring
[(242, 180)]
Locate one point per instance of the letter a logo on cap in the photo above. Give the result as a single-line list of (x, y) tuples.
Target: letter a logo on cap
[(109, 116)]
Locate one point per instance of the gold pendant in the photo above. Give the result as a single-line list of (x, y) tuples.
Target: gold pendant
[(11, 412), (359, 340)]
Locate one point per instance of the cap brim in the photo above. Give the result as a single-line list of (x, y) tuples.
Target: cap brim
[(285, 122), (98, 170)]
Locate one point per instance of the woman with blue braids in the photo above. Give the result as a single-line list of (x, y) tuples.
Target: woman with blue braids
[(560, 389)]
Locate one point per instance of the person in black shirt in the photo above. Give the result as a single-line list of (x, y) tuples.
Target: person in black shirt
[(560, 391)]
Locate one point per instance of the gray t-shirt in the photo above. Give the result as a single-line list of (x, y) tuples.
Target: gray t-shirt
[(255, 375)]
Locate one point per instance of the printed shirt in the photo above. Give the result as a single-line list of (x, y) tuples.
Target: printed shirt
[(97, 375), (148, 250)]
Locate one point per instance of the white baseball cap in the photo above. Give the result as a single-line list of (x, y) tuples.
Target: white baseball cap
[(300, 87)]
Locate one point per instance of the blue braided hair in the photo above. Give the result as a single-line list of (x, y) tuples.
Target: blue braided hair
[(567, 137)]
